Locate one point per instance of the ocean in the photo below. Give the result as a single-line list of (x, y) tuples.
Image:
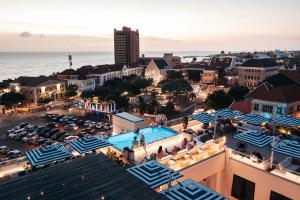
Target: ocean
[(13, 65)]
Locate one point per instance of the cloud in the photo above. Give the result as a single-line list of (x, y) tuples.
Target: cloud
[(25, 34)]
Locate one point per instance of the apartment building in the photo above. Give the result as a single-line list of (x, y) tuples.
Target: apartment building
[(253, 71), (126, 46)]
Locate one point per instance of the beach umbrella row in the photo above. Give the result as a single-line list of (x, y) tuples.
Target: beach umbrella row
[(48, 154), (87, 144), (191, 190), (154, 173)]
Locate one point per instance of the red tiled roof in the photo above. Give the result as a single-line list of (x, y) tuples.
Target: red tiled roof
[(293, 75), (68, 72), (242, 106), (35, 81), (84, 70), (285, 93), (102, 69)]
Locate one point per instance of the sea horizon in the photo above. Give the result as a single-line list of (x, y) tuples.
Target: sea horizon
[(15, 64)]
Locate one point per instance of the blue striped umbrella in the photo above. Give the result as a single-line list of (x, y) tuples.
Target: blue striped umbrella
[(88, 144), (254, 137), (287, 121), (253, 119), (203, 117), (191, 190), (154, 173), (288, 147), (48, 154), (226, 113)]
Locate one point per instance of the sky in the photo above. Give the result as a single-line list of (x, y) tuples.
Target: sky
[(164, 25)]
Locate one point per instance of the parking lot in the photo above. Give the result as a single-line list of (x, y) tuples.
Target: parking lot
[(46, 129)]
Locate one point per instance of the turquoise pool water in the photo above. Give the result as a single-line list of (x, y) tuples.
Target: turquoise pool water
[(151, 134)]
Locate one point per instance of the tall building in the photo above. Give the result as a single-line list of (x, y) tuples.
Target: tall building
[(127, 46)]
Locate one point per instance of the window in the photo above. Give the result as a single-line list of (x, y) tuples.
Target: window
[(267, 108), (256, 107), (242, 188), (298, 108), (279, 110), (277, 196)]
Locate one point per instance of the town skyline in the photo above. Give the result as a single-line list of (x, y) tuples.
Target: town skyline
[(199, 25)]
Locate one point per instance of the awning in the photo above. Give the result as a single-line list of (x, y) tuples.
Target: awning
[(203, 117), (191, 190), (254, 137), (287, 121), (288, 147), (48, 154), (253, 119), (87, 144), (154, 173), (226, 113)]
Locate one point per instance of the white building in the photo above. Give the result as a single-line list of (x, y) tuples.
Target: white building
[(156, 70)]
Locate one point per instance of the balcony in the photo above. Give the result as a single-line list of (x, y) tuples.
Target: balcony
[(186, 158), (289, 172)]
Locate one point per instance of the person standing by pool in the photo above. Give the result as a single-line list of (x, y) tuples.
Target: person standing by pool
[(143, 143), (135, 143)]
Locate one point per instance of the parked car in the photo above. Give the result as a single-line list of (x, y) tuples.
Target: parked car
[(61, 139), (10, 131), (53, 125), (40, 141), (19, 136), (82, 134), (89, 130), (28, 137), (33, 139), (99, 125), (51, 133), (87, 122), (4, 150), (80, 122), (92, 124), (44, 131), (12, 135), (57, 135), (70, 138), (14, 154), (71, 127), (22, 125)]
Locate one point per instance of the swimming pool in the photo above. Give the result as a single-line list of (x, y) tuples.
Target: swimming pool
[(152, 134)]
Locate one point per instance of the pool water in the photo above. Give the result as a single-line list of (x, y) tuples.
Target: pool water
[(151, 134)]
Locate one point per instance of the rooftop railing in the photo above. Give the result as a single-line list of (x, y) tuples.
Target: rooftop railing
[(266, 165)]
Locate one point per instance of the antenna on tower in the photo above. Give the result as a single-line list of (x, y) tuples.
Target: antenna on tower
[(70, 61)]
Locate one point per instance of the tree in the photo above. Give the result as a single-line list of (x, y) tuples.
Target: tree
[(153, 105), (194, 75), (221, 78), (170, 107), (71, 90), (218, 100), (238, 92), (142, 105), (11, 99), (172, 74), (175, 85)]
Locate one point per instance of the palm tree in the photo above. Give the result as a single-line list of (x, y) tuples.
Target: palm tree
[(142, 105), (153, 103)]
